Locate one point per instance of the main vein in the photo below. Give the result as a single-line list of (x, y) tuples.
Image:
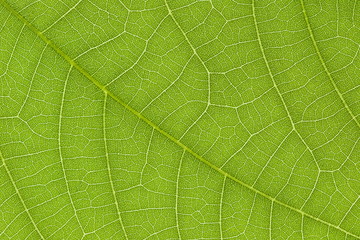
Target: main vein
[(156, 127)]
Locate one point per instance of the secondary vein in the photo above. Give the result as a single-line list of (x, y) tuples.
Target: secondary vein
[(157, 128), (325, 67)]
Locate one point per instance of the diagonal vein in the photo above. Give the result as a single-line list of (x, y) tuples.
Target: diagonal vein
[(285, 106), (109, 171), (202, 63), (325, 67), (20, 197), (61, 155), (156, 127)]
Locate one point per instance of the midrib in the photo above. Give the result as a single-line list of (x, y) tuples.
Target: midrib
[(149, 122)]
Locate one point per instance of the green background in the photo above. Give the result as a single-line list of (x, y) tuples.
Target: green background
[(220, 119)]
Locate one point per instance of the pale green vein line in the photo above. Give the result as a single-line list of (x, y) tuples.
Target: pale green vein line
[(60, 151), (65, 14), (185, 36), (146, 156), (32, 81), (348, 211), (142, 54), (302, 227), (270, 218), (177, 195), (202, 63), (324, 65), (284, 103), (274, 82), (221, 207), (271, 158), (251, 213), (109, 171), (13, 51), (157, 128), (20, 197)]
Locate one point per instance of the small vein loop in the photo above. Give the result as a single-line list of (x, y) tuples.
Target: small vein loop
[(157, 128)]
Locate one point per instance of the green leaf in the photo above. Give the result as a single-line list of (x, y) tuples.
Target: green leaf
[(191, 119)]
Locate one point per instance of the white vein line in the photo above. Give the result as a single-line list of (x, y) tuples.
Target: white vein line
[(290, 175), (20, 197), (283, 102), (5, 23), (271, 157), (324, 65), (302, 227), (164, 133), (13, 50), (202, 63), (140, 56), (32, 80), (99, 45), (170, 85), (177, 195), (348, 211), (147, 157), (251, 136), (31, 154), (250, 214), (109, 171), (61, 228), (270, 218), (66, 13), (10, 224), (221, 207), (60, 150)]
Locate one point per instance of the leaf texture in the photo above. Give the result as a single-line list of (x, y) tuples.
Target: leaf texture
[(192, 119)]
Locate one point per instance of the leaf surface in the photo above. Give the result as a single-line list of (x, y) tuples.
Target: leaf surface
[(188, 119)]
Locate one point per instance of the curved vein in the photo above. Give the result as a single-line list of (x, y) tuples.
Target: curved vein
[(177, 195), (285, 105), (109, 171), (20, 197), (157, 128), (60, 151), (324, 65), (202, 63)]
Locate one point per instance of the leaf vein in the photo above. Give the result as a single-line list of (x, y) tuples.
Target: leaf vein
[(324, 65), (163, 132)]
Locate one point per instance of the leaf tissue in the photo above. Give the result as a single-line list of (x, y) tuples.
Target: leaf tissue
[(169, 119)]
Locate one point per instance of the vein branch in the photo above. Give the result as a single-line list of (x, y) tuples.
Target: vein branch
[(333, 83), (202, 63), (109, 171), (61, 154), (284, 104), (156, 127), (20, 197)]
